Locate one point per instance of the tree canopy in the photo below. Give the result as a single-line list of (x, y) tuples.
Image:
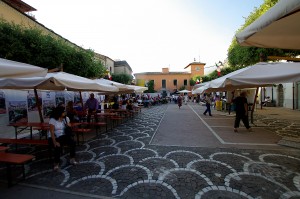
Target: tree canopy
[(122, 78), (150, 86), (33, 47)]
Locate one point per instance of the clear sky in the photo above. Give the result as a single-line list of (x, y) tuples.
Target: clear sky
[(148, 34)]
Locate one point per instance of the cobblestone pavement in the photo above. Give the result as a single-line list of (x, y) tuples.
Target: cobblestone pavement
[(282, 127), (123, 164)]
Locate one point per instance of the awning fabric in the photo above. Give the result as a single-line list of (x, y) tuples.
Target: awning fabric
[(56, 81), (11, 69), (123, 88), (279, 27), (260, 74)]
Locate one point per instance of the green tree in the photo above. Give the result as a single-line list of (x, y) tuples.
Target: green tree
[(122, 78), (150, 87), (33, 47), (192, 82), (182, 88)]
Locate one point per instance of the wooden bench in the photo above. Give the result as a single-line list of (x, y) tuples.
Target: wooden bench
[(23, 141), (13, 159), (96, 125), (3, 148), (42, 131), (81, 131), (114, 120), (6, 141)]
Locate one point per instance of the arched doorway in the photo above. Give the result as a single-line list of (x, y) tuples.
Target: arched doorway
[(280, 95)]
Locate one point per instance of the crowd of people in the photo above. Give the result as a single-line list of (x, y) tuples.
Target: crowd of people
[(61, 116)]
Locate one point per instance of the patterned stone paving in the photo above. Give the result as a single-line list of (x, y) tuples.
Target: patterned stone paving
[(122, 164), (283, 128)]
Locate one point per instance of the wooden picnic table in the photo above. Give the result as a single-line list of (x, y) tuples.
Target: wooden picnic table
[(3, 148), (25, 125), (12, 158), (31, 125)]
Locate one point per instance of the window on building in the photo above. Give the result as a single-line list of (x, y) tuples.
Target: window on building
[(185, 82), (175, 82), (163, 83)]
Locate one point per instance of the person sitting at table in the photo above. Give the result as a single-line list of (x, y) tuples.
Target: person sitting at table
[(56, 137), (124, 102), (135, 103), (71, 112), (267, 100), (92, 106), (129, 106), (115, 105)]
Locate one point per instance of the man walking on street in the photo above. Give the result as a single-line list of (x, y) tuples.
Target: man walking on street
[(241, 106), (207, 104)]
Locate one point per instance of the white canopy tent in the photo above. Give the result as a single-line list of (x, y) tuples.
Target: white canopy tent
[(260, 74), (279, 27), (56, 81), (11, 69), (267, 74), (184, 91), (138, 89), (123, 88), (199, 85), (200, 88)]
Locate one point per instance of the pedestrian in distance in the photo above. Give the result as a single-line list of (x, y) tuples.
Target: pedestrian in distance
[(185, 99), (241, 109), (207, 100), (179, 101)]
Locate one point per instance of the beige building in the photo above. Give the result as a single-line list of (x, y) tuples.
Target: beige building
[(168, 82), (122, 67), (108, 63)]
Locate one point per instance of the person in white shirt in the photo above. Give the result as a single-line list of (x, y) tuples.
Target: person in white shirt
[(57, 137)]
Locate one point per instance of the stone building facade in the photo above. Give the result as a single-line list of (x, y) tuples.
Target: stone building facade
[(167, 82)]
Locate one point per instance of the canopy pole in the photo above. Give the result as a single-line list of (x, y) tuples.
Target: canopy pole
[(38, 105), (293, 95), (253, 106), (272, 95), (81, 100), (261, 97), (231, 100)]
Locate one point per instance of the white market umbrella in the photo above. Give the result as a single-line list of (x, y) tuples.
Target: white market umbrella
[(56, 81), (11, 69), (199, 85), (184, 91), (138, 89), (200, 88), (122, 88), (279, 27), (260, 74)]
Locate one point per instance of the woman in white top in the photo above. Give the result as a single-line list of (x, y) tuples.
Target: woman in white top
[(57, 138)]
